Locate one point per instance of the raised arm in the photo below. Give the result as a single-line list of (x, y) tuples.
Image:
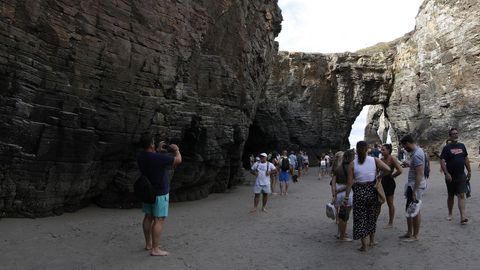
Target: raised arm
[(382, 166), (178, 157)]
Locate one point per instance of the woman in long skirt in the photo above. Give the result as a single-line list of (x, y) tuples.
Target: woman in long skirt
[(361, 179)]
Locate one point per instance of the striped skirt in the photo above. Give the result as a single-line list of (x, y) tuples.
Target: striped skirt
[(365, 209)]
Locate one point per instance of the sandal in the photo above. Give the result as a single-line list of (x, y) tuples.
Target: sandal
[(464, 221)]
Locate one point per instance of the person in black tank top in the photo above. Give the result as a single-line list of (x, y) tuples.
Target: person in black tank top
[(388, 181)]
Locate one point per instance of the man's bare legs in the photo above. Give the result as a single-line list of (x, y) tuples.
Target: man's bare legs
[(413, 228), (391, 212), (416, 226), (450, 202), (157, 228), (264, 202), (461, 207), (256, 200), (409, 230), (147, 231), (282, 184)]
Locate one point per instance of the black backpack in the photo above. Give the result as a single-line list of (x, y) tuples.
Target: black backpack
[(285, 164), (143, 190)]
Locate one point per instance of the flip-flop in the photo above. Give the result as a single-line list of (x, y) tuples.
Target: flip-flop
[(449, 218), (464, 221), (405, 236)]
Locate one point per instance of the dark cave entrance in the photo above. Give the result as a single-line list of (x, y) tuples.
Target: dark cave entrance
[(258, 141)]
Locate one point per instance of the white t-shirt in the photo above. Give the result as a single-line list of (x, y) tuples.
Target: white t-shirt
[(262, 178)]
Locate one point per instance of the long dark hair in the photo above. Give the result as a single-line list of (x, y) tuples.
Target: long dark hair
[(362, 151)]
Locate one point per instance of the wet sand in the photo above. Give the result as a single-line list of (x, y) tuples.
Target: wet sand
[(219, 233)]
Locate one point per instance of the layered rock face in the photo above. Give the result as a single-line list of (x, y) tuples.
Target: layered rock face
[(424, 83), (80, 81), (437, 75), (313, 99), (376, 131)]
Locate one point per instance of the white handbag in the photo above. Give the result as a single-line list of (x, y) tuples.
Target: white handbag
[(330, 210)]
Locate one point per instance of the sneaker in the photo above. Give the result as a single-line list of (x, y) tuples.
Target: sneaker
[(413, 209)]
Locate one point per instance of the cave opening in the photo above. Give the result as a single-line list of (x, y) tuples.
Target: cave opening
[(357, 133), (259, 141), (371, 125)]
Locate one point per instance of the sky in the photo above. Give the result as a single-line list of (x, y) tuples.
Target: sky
[(333, 26)]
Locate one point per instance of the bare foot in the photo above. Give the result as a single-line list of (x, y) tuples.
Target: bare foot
[(159, 252), (345, 239), (373, 244), (411, 239), (253, 210), (388, 226), (362, 249), (148, 247)]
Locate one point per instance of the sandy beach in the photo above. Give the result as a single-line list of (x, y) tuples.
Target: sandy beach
[(219, 233)]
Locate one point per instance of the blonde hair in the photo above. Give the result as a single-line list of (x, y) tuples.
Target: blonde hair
[(337, 160)]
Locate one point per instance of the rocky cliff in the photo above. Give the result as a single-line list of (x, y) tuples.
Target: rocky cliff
[(437, 75), (81, 80), (313, 99), (424, 83)]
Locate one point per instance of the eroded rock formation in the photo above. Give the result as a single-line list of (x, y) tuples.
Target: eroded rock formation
[(81, 80), (313, 99), (437, 75), (427, 81), (377, 127)]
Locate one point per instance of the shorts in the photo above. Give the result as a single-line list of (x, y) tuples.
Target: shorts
[(265, 189), (457, 186), (389, 185), (409, 193), (159, 208), (323, 168), (284, 176), (341, 196)]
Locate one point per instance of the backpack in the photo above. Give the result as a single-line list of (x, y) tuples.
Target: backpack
[(143, 190), (285, 164), (426, 168)]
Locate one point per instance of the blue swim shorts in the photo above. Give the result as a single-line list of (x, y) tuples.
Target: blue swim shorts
[(284, 176), (159, 208)]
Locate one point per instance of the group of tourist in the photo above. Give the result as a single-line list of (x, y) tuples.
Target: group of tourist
[(270, 167), (354, 186)]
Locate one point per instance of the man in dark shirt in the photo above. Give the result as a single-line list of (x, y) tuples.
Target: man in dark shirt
[(154, 166), (454, 160)]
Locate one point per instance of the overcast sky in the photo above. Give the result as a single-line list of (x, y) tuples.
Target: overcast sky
[(329, 26)]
